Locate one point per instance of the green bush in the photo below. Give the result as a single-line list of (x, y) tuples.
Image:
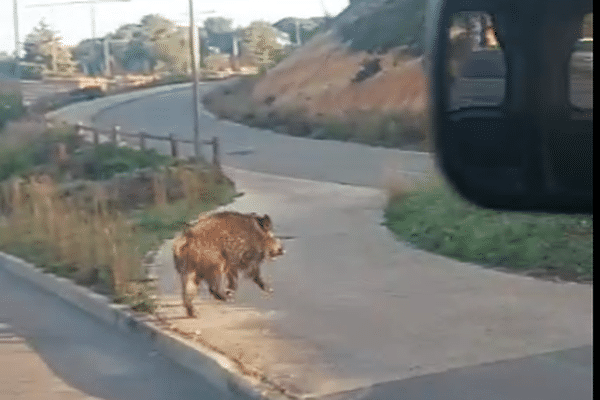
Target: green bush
[(11, 107)]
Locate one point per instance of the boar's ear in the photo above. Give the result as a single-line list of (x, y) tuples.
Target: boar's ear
[(264, 222)]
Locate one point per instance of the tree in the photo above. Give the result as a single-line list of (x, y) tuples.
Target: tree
[(157, 27), (174, 50), (139, 57), (260, 43), (218, 25), (155, 43), (43, 46), (37, 43)]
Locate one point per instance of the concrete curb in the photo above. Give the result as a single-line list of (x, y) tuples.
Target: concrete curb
[(212, 366)]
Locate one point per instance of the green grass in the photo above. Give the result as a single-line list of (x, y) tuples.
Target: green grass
[(438, 220)]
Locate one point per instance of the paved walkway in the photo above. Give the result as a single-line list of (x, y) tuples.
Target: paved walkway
[(378, 310)]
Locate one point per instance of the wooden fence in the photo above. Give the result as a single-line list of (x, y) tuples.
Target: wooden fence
[(115, 134)]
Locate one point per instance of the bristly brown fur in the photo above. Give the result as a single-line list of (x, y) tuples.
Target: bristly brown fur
[(218, 247)]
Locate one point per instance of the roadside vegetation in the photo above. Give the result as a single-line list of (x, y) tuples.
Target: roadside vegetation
[(11, 107), (28, 147), (95, 215), (435, 218), (234, 101)]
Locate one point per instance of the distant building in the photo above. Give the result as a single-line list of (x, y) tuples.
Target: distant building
[(283, 38), (230, 42), (300, 30), (220, 43)]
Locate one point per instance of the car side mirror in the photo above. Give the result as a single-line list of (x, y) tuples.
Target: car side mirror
[(511, 85)]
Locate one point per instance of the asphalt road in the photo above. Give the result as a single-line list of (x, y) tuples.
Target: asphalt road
[(257, 149), (91, 357), (552, 376)]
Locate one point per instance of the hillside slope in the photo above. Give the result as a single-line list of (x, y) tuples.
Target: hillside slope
[(362, 80)]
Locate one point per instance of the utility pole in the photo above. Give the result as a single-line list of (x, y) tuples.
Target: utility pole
[(194, 55), (298, 40), (106, 43), (93, 18), (54, 55), (234, 49), (17, 43)]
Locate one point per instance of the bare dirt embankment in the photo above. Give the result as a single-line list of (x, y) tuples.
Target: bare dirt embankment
[(328, 90)]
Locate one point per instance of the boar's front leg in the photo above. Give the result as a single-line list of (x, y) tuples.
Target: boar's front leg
[(254, 274), (232, 283)]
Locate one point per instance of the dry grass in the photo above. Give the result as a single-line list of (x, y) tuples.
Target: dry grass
[(399, 185), (319, 76), (102, 240), (232, 101), (380, 127), (311, 94), (87, 237)]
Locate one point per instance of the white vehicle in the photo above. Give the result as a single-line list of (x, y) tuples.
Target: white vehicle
[(582, 59)]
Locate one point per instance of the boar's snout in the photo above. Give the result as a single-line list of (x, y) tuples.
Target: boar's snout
[(276, 249)]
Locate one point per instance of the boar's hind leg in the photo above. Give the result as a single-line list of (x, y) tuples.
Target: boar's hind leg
[(216, 282), (189, 288)]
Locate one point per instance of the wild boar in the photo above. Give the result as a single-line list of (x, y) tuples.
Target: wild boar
[(220, 246)]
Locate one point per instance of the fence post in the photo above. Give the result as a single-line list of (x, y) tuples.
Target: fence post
[(143, 141), (216, 155), (78, 135), (115, 135), (96, 137), (159, 189), (173, 145)]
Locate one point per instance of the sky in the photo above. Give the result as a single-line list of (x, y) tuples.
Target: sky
[(73, 22)]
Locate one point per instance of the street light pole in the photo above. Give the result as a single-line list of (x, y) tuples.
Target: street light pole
[(17, 42), (195, 60), (105, 46), (193, 55), (93, 17)]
